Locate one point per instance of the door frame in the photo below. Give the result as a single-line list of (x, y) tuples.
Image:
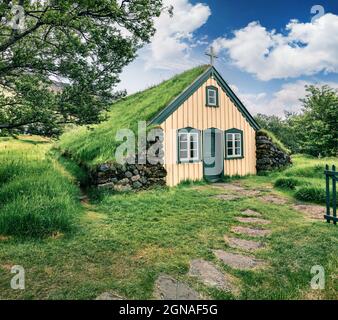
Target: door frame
[(213, 178)]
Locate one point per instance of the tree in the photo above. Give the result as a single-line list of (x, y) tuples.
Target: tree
[(84, 43), (316, 129)]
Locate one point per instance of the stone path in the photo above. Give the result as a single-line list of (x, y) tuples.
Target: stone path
[(253, 220), (168, 288), (237, 190), (227, 197), (109, 296), (251, 231), (311, 210), (273, 199), (251, 213), (228, 186), (211, 276), (238, 261), (247, 245)]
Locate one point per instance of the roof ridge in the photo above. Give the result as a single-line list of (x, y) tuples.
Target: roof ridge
[(186, 93)]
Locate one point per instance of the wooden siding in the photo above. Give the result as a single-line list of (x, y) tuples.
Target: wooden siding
[(194, 113)]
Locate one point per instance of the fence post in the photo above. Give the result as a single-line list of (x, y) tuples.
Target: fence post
[(327, 193), (334, 195)]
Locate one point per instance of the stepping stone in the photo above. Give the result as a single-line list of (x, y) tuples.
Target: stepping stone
[(250, 193), (237, 189), (238, 261), (273, 199), (312, 211), (109, 296), (209, 275), (228, 197), (242, 244), (251, 231), (251, 213), (253, 220), (168, 288), (228, 186)]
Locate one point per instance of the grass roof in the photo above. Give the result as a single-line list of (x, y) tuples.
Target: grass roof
[(97, 144)]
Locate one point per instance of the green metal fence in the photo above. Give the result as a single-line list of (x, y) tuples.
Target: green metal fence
[(331, 175)]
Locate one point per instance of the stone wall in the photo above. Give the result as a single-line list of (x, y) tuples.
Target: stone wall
[(129, 176), (269, 155)]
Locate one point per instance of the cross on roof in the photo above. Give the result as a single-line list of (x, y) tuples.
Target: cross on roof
[(212, 55)]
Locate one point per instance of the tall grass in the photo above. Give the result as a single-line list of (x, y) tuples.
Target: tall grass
[(305, 180), (36, 199)]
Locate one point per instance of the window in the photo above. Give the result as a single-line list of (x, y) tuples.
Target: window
[(188, 145), (212, 96), (234, 144)]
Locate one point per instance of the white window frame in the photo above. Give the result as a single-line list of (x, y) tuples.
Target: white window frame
[(189, 149), (233, 148), (215, 97)]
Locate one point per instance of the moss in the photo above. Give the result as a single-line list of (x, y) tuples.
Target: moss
[(275, 140), (98, 144)]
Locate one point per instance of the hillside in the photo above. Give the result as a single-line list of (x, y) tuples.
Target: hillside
[(97, 145)]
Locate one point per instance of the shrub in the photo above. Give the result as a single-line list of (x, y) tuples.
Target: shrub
[(286, 183), (311, 194)]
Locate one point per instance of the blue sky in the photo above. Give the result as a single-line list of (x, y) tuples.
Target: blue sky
[(268, 50)]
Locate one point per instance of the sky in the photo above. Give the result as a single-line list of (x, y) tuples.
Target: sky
[(268, 51)]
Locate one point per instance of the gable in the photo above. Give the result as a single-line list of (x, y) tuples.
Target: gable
[(210, 72)]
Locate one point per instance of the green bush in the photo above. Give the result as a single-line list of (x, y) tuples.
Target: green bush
[(311, 194), (286, 183)]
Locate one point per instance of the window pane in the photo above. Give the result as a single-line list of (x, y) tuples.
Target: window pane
[(212, 101), (238, 144), (184, 146), (184, 141), (193, 154), (212, 93), (193, 145), (238, 151), (193, 137), (237, 136), (211, 97), (183, 154), (230, 152), (229, 144)]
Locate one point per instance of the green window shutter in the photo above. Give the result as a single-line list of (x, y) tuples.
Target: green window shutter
[(189, 130), (234, 131), (207, 96)]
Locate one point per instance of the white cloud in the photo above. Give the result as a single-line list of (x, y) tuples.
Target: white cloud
[(171, 45), (306, 49), (285, 99)]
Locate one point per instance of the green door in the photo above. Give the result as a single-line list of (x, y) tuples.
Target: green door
[(213, 156)]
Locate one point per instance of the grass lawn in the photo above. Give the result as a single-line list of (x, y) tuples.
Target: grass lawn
[(123, 242)]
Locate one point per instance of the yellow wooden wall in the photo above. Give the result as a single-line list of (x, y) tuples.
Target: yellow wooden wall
[(193, 113)]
